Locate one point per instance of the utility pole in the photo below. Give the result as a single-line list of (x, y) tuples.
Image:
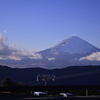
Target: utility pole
[(86, 92), (46, 78)]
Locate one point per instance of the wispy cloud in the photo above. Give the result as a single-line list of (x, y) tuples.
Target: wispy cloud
[(93, 56), (74, 34), (5, 31), (51, 58)]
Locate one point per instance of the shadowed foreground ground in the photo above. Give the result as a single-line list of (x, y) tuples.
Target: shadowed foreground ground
[(21, 97), (53, 98)]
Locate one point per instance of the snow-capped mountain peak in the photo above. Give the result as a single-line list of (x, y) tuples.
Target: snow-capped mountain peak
[(74, 44)]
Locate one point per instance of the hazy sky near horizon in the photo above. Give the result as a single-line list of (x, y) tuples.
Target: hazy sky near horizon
[(40, 24)]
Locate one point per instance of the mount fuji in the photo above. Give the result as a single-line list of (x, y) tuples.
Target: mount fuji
[(68, 53)]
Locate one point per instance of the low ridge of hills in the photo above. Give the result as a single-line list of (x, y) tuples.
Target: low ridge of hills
[(73, 75)]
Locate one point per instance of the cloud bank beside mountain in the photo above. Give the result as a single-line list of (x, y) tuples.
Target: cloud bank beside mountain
[(94, 56), (13, 53)]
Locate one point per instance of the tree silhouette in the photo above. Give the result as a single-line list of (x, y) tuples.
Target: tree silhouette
[(6, 82)]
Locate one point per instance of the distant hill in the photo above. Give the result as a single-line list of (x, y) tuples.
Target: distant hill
[(73, 75)]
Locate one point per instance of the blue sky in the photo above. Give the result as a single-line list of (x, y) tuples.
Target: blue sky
[(40, 24)]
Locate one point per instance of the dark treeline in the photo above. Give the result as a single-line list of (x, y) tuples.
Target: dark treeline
[(8, 82), (73, 75)]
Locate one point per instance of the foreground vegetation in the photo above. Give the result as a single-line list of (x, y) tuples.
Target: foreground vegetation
[(7, 82)]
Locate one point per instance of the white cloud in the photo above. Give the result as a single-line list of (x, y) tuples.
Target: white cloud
[(21, 54), (51, 58), (93, 56), (74, 34), (11, 52)]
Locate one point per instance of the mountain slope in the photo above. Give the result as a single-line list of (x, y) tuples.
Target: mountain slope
[(74, 45)]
